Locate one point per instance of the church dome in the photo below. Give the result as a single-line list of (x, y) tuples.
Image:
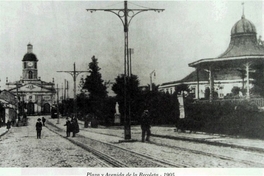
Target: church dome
[(30, 57), (243, 26)]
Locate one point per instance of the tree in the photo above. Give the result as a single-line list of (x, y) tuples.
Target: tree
[(182, 88), (235, 91), (132, 93), (96, 88), (94, 83), (154, 87)]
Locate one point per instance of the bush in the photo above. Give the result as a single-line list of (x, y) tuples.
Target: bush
[(231, 118)]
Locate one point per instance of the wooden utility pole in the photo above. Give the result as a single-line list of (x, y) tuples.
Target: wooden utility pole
[(74, 74)]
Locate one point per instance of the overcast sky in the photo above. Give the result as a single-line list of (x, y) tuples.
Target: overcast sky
[(63, 32)]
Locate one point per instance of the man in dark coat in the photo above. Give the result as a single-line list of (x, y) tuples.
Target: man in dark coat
[(39, 128), (8, 125), (43, 121), (145, 125), (68, 127), (75, 126)]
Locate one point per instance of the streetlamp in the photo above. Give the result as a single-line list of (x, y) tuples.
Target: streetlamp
[(126, 15), (152, 73)]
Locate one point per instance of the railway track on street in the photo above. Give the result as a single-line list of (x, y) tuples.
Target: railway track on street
[(114, 155), (206, 153)]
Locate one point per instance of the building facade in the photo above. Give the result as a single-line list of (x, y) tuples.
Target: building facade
[(9, 104), (37, 95)]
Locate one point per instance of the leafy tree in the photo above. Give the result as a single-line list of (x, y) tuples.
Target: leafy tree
[(182, 88), (67, 107), (83, 104), (163, 107), (94, 83), (154, 87), (235, 90), (96, 88), (132, 93)]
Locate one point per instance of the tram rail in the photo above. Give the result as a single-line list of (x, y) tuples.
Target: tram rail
[(199, 152), (128, 158)]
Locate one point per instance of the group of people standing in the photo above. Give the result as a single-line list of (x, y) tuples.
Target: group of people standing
[(72, 126)]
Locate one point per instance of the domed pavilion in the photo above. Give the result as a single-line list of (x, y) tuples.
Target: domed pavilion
[(243, 52), (231, 68)]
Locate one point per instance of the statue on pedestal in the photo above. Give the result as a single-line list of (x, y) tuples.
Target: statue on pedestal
[(117, 114)]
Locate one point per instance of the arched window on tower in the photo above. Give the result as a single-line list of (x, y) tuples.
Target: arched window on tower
[(30, 75)]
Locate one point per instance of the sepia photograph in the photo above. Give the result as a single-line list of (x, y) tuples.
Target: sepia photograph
[(131, 88)]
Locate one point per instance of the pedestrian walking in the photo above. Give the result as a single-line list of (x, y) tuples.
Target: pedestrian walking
[(8, 125), (43, 121), (75, 126), (145, 125), (39, 128), (68, 127)]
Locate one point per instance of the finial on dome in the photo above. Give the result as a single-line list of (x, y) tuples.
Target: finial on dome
[(243, 14), (29, 48)]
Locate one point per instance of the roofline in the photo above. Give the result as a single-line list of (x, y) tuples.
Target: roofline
[(193, 64), (204, 82)]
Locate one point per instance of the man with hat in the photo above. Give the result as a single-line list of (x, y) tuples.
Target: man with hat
[(68, 127), (39, 128), (145, 125)]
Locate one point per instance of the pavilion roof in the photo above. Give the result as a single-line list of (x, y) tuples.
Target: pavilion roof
[(224, 74), (230, 62), (243, 48)]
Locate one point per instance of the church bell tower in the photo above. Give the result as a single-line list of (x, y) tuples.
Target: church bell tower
[(30, 69)]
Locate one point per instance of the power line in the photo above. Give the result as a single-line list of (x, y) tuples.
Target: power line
[(139, 5), (114, 4)]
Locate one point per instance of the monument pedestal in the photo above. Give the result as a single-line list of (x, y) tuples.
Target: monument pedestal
[(117, 119)]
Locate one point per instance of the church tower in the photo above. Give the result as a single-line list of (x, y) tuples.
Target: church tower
[(38, 96), (29, 65)]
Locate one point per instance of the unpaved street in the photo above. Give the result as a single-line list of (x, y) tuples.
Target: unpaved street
[(21, 148)]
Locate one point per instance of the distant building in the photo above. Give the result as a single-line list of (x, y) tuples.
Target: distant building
[(9, 102), (230, 69), (37, 94)]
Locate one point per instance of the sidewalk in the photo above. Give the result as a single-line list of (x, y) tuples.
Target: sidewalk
[(215, 139), (168, 132), (3, 130)]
